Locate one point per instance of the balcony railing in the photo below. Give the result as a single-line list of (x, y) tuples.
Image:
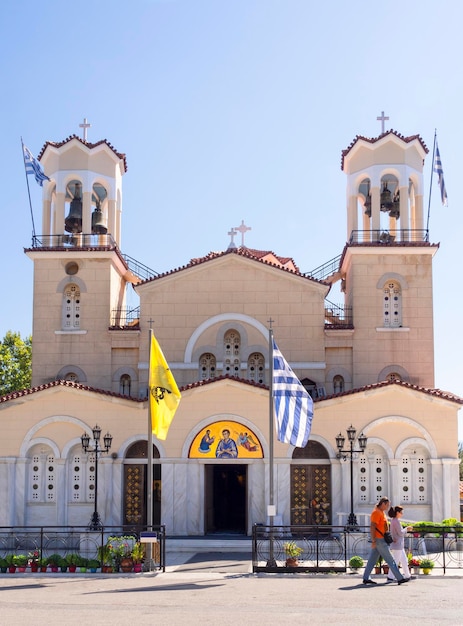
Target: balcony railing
[(337, 315), (384, 236), (125, 318), (78, 240)]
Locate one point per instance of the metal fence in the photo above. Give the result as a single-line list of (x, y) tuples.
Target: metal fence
[(65, 540), (329, 548)]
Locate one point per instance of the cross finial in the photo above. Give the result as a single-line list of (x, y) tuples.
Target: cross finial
[(242, 229), (84, 126), (232, 234), (382, 118)]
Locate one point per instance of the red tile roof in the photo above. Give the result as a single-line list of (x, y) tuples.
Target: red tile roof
[(59, 144), (286, 264), (357, 138), (438, 393)]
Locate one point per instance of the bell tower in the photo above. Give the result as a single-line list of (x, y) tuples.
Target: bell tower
[(386, 267), (84, 196), (80, 275)]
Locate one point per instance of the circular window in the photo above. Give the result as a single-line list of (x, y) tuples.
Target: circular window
[(71, 268)]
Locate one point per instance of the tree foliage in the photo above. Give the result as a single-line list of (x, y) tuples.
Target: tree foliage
[(15, 362)]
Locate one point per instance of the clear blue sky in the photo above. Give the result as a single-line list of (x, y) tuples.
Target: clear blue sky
[(230, 110)]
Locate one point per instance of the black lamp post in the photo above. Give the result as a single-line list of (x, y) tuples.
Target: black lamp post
[(343, 454), (95, 522)]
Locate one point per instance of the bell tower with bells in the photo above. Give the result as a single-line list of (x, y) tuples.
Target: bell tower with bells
[(80, 277), (386, 267)]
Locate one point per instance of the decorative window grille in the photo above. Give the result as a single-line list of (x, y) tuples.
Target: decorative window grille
[(232, 347), (256, 367), (414, 477), (42, 477), (207, 366), (71, 308), (392, 305)]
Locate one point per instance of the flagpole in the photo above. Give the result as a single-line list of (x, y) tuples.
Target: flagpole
[(28, 193), (271, 508), (149, 473), (430, 184)]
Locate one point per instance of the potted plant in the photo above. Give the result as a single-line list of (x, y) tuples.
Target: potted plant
[(34, 559), (43, 564), (378, 565), (292, 551), (355, 563), (426, 565), (72, 561), (82, 563), (413, 564), (20, 560), (138, 555), (121, 551), (10, 563), (93, 565), (55, 561), (105, 558), (3, 565)]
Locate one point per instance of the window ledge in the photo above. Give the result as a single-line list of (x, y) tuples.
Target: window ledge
[(70, 332), (399, 329)]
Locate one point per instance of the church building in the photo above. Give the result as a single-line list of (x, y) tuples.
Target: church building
[(368, 363)]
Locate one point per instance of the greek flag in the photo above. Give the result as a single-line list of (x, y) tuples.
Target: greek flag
[(33, 166), (293, 404), (440, 173)]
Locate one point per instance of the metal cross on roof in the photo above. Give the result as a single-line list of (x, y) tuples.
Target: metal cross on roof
[(84, 126), (242, 229), (382, 118), (232, 234)]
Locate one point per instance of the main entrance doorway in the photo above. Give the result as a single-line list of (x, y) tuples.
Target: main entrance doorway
[(225, 498)]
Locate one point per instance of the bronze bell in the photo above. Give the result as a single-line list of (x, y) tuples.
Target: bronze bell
[(367, 205), (395, 211), (73, 222), (386, 198), (98, 225)]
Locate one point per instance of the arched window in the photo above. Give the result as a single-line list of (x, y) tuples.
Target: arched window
[(338, 384), (373, 474), (71, 307), (207, 366), (393, 376), (256, 367), (392, 305), (125, 384), (232, 346), (42, 475)]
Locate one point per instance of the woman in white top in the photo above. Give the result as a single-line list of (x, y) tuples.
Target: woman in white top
[(397, 547)]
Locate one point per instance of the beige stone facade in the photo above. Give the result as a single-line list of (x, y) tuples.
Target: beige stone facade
[(369, 363)]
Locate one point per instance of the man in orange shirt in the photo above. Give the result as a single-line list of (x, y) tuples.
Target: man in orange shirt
[(379, 547)]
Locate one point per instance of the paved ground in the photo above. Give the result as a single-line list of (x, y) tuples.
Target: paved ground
[(209, 591)]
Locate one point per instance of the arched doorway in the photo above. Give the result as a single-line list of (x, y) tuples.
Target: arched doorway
[(135, 476), (311, 485)]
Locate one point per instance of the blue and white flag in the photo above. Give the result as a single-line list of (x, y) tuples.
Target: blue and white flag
[(440, 173), (293, 404), (33, 166)]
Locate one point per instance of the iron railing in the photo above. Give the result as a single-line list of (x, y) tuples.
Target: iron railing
[(64, 540), (126, 318), (384, 236), (327, 269), (329, 548)]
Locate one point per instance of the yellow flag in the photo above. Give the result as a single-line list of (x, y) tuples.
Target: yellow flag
[(163, 390)]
